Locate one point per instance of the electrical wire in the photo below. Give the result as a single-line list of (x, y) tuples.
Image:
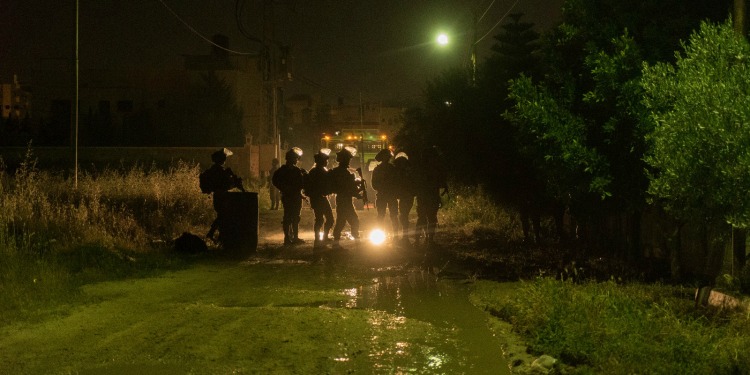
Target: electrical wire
[(498, 22), (486, 10), (196, 32)]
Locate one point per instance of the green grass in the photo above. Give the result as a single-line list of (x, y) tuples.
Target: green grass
[(119, 224), (609, 328), (115, 224)]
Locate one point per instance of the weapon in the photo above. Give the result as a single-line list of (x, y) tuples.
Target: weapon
[(363, 189)]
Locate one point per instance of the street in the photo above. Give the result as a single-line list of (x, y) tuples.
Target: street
[(285, 311)]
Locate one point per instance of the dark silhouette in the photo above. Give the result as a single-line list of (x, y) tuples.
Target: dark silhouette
[(345, 187), (384, 182), (219, 180), (289, 179), (405, 191), (317, 188), (431, 178)]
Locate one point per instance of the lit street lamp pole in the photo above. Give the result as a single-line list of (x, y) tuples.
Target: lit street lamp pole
[(443, 40)]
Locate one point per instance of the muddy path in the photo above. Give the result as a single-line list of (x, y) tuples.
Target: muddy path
[(363, 309)]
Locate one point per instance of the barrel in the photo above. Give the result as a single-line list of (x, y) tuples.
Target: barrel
[(238, 233)]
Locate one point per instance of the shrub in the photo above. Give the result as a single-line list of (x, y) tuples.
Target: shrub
[(54, 236), (616, 329), (473, 212)]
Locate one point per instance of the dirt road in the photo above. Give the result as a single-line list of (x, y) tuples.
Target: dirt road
[(285, 311)]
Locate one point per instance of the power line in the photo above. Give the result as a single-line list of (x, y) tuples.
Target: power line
[(498, 22), (486, 10), (196, 32)]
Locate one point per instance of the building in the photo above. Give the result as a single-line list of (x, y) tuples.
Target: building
[(15, 99)]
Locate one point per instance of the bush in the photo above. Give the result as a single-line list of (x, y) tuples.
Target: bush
[(616, 329), (474, 213), (115, 224)]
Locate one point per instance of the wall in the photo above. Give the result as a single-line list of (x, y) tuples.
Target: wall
[(245, 162)]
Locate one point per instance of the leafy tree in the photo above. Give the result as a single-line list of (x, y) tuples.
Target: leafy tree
[(582, 123), (700, 144), (445, 121), (465, 119)]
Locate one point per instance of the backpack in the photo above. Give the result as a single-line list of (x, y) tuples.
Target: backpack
[(205, 182)]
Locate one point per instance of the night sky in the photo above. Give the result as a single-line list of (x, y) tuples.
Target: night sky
[(382, 49)]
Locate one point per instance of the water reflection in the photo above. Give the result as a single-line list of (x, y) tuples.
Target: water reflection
[(461, 343)]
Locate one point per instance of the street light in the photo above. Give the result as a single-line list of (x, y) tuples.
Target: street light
[(442, 39)]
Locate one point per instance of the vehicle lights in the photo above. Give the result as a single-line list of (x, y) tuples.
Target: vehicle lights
[(377, 237)]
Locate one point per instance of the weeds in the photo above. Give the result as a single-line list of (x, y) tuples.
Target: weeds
[(623, 329), (473, 212), (54, 237)]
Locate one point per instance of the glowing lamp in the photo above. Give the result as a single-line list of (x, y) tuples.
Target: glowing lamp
[(442, 39), (377, 237)]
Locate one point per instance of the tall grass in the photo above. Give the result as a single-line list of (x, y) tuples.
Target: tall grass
[(116, 223), (609, 328), (473, 212)]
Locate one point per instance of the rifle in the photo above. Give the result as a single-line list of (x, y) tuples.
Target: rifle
[(363, 188)]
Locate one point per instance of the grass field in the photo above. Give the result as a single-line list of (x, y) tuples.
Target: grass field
[(116, 224)]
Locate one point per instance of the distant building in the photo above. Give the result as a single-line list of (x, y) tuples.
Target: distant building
[(387, 120), (246, 76), (16, 99)]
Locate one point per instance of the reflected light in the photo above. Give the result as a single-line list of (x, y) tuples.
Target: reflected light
[(377, 237)]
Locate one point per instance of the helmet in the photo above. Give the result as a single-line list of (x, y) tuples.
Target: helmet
[(401, 159), (346, 154), (384, 155), (402, 155), (220, 155), (322, 155), (294, 154)]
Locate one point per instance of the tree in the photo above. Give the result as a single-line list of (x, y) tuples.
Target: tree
[(582, 121), (700, 144)]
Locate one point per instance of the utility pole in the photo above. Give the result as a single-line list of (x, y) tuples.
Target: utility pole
[(474, 42), (75, 141), (739, 235), (739, 17), (270, 76)]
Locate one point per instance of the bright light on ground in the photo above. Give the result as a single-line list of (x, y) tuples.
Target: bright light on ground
[(442, 39), (377, 236)]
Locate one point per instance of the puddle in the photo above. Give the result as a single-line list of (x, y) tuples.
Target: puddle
[(468, 345)]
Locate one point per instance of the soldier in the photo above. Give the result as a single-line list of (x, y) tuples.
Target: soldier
[(345, 187), (273, 192), (289, 179), (431, 178), (317, 188), (218, 180), (384, 182), (405, 193)]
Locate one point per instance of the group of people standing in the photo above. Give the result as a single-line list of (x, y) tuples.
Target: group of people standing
[(396, 180)]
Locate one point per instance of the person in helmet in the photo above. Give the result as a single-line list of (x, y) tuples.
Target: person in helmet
[(431, 179), (318, 188), (384, 183), (289, 179), (219, 180), (345, 186), (405, 193)]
